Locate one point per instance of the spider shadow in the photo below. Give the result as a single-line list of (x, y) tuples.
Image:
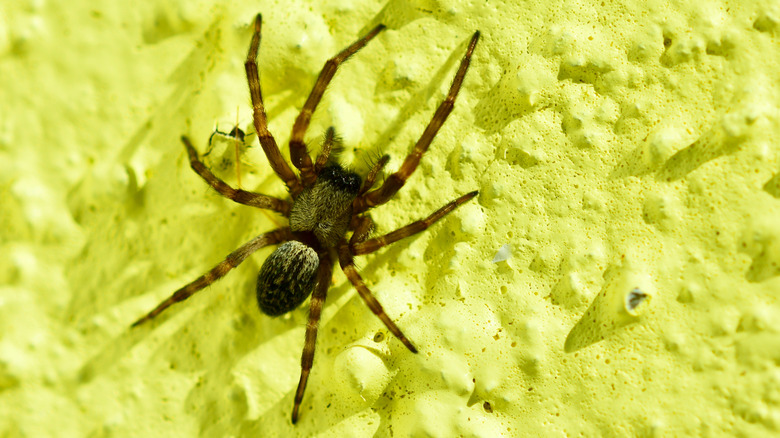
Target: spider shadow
[(128, 339), (183, 349), (134, 205)]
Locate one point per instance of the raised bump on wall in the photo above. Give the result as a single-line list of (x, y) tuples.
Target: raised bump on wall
[(620, 302), (761, 241)]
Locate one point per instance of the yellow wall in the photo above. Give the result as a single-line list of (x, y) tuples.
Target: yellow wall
[(618, 148)]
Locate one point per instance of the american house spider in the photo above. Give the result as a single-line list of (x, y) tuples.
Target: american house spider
[(327, 203)]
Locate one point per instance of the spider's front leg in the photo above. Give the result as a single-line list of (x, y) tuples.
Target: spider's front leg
[(267, 141), (298, 155)]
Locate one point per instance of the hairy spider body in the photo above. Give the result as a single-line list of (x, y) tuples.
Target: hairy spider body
[(328, 202), (321, 212)]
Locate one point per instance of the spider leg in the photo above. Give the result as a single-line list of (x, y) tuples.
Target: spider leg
[(395, 181), (371, 245), (278, 164), (327, 145), (237, 195), (298, 155), (231, 261), (363, 227), (347, 263), (324, 276)]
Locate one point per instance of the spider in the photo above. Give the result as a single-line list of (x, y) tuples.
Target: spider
[(327, 203)]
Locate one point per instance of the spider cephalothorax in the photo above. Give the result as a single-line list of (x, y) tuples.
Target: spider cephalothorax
[(328, 202), (325, 209)]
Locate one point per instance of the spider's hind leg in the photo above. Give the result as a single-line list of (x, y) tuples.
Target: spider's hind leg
[(347, 263), (324, 276), (231, 261)]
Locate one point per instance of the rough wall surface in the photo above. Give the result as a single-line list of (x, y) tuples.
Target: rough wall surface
[(618, 275)]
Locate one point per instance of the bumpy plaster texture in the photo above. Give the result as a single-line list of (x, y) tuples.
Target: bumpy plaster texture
[(618, 275)]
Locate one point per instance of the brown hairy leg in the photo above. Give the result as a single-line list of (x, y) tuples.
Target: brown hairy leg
[(324, 275), (267, 141), (231, 261), (347, 263), (298, 155), (236, 195), (368, 246)]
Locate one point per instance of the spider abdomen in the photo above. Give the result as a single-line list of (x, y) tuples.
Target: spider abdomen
[(286, 278)]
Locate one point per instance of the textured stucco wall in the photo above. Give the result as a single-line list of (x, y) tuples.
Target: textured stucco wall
[(622, 151)]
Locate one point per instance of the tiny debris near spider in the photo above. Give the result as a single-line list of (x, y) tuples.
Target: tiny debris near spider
[(327, 203), (235, 134)]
